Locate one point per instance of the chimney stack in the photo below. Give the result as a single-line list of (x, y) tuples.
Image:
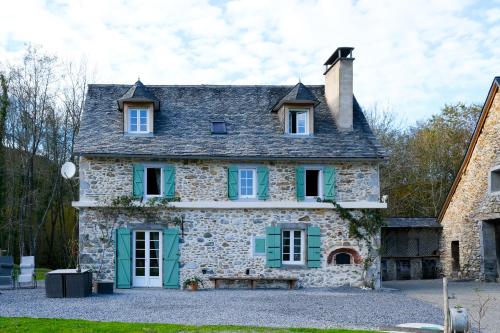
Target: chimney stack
[(338, 87)]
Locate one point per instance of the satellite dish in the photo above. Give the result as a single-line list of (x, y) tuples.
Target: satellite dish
[(68, 170)]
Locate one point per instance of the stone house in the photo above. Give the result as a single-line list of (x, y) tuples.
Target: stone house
[(241, 169), (470, 217)]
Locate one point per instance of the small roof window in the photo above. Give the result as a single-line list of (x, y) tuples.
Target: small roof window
[(219, 127)]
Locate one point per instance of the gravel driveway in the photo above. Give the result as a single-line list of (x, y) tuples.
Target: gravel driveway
[(320, 308), (461, 293)]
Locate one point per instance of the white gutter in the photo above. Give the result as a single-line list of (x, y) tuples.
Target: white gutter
[(250, 205)]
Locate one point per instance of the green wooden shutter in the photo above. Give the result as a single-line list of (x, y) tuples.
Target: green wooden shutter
[(262, 182), (299, 183), (329, 176), (232, 183), (273, 243), (313, 247), (123, 258), (259, 246), (171, 258), (138, 181), (169, 181)]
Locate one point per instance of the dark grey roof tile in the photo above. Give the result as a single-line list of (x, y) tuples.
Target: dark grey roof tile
[(182, 126)]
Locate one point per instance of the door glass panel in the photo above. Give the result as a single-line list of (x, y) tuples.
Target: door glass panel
[(147, 258)]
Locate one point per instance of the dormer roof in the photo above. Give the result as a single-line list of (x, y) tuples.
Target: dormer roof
[(138, 93), (299, 94)]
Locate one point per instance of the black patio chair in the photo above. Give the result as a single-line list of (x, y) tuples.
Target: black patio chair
[(6, 270)]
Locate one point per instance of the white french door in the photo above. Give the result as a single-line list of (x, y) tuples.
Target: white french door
[(147, 261)]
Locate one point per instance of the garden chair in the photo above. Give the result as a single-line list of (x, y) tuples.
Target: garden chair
[(27, 272), (6, 270)]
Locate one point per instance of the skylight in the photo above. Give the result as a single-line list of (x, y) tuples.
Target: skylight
[(219, 127)]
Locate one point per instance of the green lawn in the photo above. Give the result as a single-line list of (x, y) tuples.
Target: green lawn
[(39, 272), (70, 325)]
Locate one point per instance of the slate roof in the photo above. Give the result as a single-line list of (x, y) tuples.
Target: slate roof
[(298, 94), (182, 127), (412, 222)]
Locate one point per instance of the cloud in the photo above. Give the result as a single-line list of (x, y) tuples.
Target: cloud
[(412, 55)]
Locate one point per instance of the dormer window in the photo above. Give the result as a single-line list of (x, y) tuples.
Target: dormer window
[(298, 121), (138, 105), (138, 120)]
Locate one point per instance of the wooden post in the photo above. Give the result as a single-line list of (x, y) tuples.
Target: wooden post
[(446, 305)]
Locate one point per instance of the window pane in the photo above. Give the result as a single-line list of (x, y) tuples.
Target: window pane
[(133, 120), (139, 235), (296, 256), (139, 271), (153, 263), (144, 114), (139, 253), (139, 244), (153, 181), (154, 236), (292, 124), (154, 271), (301, 122), (312, 183), (139, 262), (246, 182), (286, 257)]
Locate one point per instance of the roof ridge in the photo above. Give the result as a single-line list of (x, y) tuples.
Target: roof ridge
[(203, 85)]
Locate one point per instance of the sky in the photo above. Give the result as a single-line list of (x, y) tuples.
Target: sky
[(412, 57)]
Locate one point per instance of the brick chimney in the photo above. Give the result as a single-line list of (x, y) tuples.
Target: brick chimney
[(338, 87)]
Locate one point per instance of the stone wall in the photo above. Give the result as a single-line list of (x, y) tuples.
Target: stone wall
[(218, 242), (101, 178), (472, 203)]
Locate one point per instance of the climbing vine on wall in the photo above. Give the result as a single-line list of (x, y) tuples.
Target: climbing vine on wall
[(363, 224)]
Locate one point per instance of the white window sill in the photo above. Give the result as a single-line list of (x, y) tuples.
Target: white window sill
[(259, 204), (128, 134), (299, 135)]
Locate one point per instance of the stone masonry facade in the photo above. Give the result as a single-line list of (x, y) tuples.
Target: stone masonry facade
[(218, 241), (105, 178), (472, 205)]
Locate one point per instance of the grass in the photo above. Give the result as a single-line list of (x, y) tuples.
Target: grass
[(10, 325), (39, 272)]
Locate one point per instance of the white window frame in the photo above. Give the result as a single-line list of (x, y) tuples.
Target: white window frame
[(490, 180), (292, 247), (138, 123), (306, 129), (146, 195), (254, 183), (320, 183)]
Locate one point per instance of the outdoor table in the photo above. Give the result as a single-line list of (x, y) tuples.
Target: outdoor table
[(68, 283)]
